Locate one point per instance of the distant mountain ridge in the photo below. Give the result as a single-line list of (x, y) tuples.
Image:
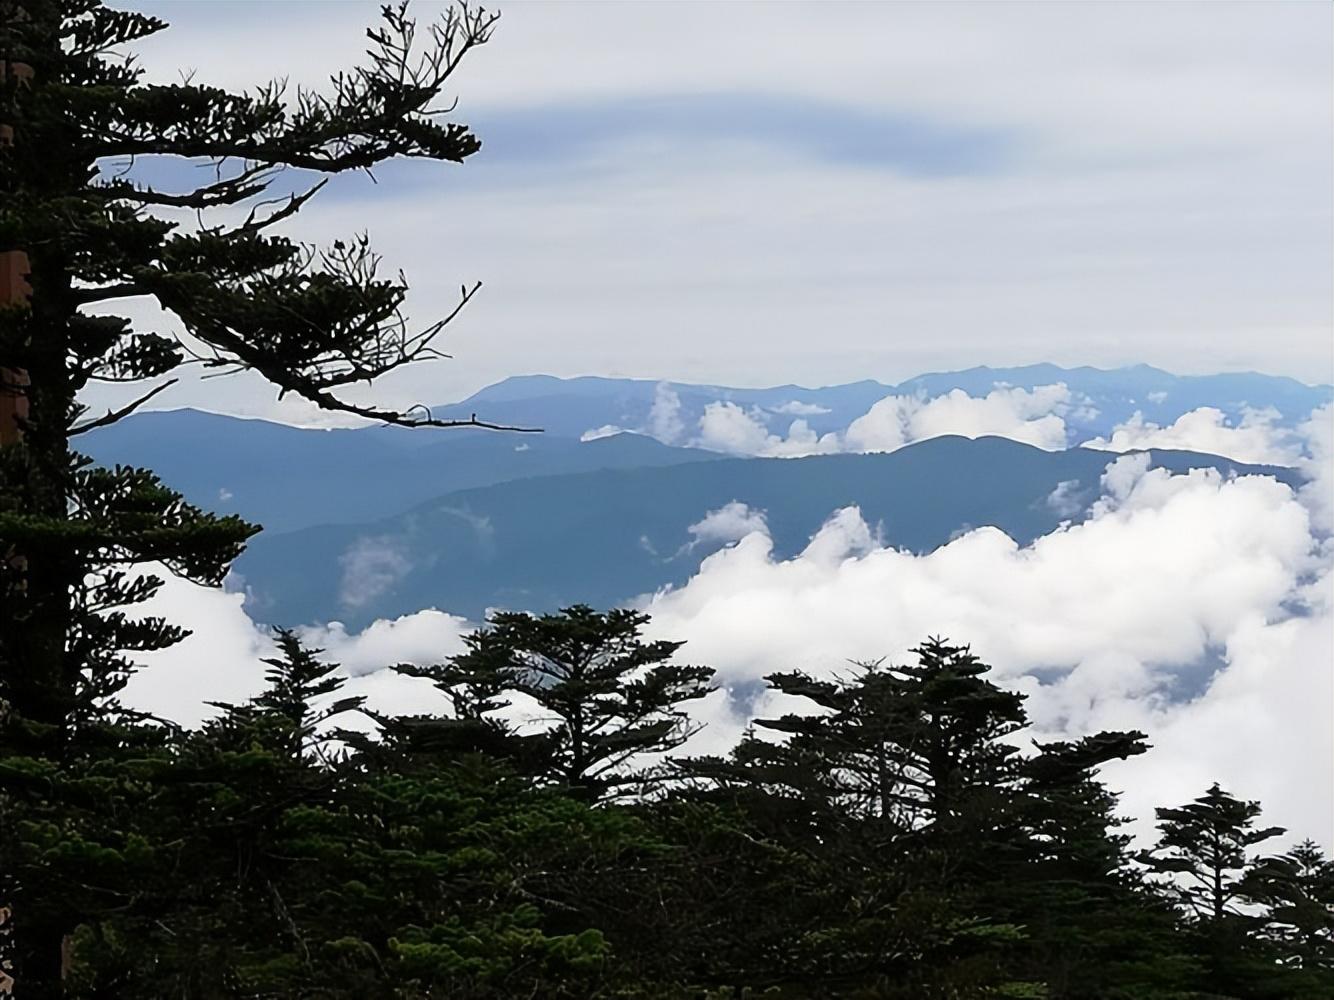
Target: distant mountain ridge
[(604, 537), (287, 478), (575, 405)]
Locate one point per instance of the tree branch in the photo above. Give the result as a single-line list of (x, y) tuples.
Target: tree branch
[(111, 416)]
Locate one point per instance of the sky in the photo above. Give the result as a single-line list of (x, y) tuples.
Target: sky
[(755, 194), (758, 194)]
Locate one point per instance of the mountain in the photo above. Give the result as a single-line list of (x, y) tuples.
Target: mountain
[(288, 477), (1105, 398), (604, 537)]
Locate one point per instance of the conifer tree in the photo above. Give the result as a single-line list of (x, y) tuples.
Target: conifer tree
[(1092, 928), (80, 232), (1297, 892), (1208, 842), (1204, 853), (898, 785), (606, 696)]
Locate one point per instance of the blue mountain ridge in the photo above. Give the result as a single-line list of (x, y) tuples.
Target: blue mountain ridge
[(287, 478), (575, 405), (605, 536)]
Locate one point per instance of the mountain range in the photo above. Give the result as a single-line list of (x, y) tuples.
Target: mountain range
[(379, 521), (604, 537)]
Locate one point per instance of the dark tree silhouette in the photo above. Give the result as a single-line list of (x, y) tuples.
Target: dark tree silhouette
[(80, 231), (606, 696)]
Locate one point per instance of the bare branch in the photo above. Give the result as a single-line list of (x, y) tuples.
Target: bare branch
[(327, 402), (111, 416)]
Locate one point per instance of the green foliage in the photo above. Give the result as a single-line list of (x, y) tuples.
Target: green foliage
[(79, 546), (611, 696)]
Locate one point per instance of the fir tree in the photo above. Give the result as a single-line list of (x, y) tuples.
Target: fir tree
[(1203, 852), (1297, 892), (897, 785), (606, 696), (79, 232)]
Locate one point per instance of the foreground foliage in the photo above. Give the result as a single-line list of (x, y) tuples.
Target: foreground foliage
[(896, 844)]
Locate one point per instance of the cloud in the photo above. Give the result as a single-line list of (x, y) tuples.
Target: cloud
[(1140, 578), (729, 523), (371, 566), (605, 431), (796, 408), (1256, 438), (1103, 624), (1196, 607), (220, 660), (1032, 416), (726, 427), (428, 636), (664, 417), (1065, 498), (1318, 466)]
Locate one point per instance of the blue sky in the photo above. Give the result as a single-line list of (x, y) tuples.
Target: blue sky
[(770, 193)]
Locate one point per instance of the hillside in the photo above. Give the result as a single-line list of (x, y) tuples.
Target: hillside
[(604, 537)]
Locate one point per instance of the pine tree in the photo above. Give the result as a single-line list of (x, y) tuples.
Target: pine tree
[(1208, 841), (1092, 928), (1204, 852), (607, 698), (80, 232), (1296, 890), (898, 787)]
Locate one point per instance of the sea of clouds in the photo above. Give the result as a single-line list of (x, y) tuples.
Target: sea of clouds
[(1198, 608)]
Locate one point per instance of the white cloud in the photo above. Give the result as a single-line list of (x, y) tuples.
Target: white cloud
[(1032, 416), (1257, 438), (1035, 417), (220, 661), (1317, 465), (1100, 622), (729, 523), (664, 418), (428, 636), (797, 408), (1064, 499), (726, 427), (1140, 578), (371, 566)]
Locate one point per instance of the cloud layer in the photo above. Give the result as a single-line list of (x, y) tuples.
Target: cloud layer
[(1257, 437), (1195, 607), (1035, 416)]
